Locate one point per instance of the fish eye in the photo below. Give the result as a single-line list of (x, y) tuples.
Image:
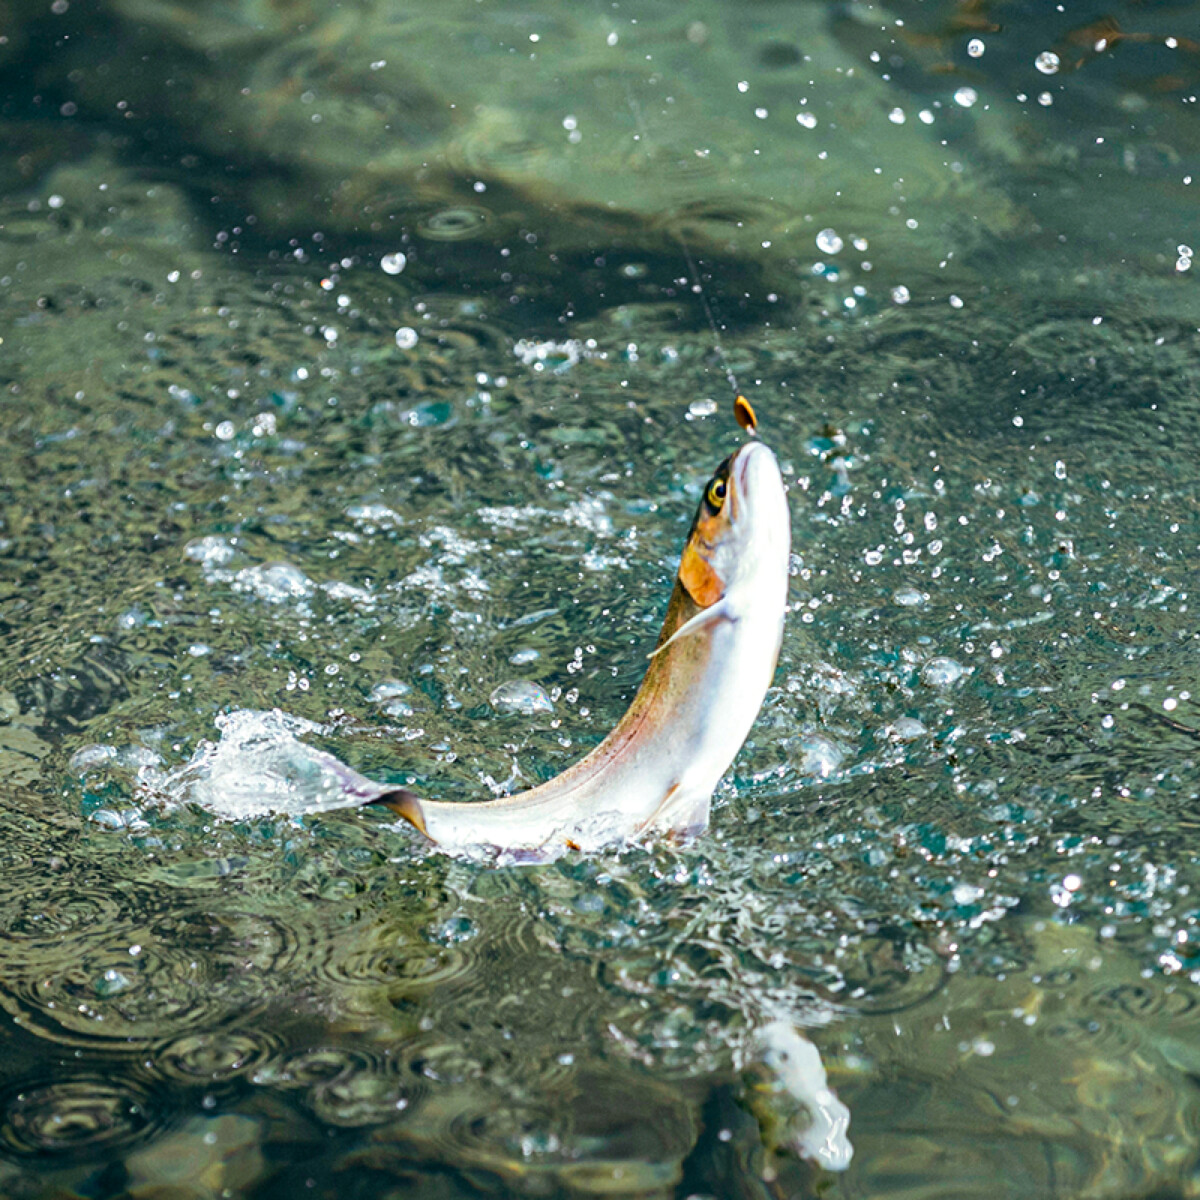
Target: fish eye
[(716, 493)]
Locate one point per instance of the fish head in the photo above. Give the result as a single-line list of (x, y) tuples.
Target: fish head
[(741, 534)]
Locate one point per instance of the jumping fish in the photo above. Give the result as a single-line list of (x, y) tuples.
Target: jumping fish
[(707, 677)]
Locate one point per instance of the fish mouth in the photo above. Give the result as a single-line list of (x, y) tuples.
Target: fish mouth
[(752, 465)]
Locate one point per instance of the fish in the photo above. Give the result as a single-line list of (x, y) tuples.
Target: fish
[(715, 657)]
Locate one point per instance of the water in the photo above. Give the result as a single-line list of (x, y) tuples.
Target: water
[(955, 858)]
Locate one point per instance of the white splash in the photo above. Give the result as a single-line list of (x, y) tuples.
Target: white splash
[(798, 1068), (260, 767)]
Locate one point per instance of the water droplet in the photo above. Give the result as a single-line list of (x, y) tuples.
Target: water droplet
[(807, 119), (901, 294), (820, 756), (966, 96), (896, 116), (209, 551), (91, 756), (389, 689), (393, 264), (975, 47), (761, 113), (112, 982), (905, 729), (1183, 263), (1047, 62), (828, 241), (909, 597), (702, 408), (275, 582), (925, 116), (406, 337), (1045, 99), (942, 672), (521, 696)]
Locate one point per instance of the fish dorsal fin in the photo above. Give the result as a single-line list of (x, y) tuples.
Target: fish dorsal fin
[(721, 611)]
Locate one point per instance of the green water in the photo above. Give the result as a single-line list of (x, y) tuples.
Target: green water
[(957, 851)]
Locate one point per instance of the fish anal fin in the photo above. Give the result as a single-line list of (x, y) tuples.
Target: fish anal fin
[(651, 820), (690, 819), (405, 804)]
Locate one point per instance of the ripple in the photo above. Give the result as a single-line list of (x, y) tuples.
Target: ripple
[(347, 1087), (362, 1098), (250, 942), (455, 224), (386, 956), (76, 1118), (317, 1065), (184, 971), (215, 1055), (719, 215), (53, 912), (1139, 1001), (891, 976), (600, 1131), (497, 148), (108, 997)]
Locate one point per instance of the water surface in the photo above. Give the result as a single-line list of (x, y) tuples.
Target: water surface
[(363, 418)]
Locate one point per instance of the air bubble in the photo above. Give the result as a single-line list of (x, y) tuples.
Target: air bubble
[(942, 672), (975, 47), (1047, 62), (393, 264), (521, 696), (406, 337), (966, 96)]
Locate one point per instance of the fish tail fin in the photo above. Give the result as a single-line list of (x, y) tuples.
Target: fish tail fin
[(405, 804)]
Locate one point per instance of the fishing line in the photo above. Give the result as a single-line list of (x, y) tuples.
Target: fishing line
[(741, 406)]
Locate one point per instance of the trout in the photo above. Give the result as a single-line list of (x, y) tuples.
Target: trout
[(714, 660)]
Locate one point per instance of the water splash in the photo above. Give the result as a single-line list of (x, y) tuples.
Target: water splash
[(260, 767)]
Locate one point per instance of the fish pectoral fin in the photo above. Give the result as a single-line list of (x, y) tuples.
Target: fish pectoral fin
[(721, 611), (405, 804)]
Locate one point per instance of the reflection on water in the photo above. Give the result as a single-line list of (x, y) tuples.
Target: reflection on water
[(354, 368)]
